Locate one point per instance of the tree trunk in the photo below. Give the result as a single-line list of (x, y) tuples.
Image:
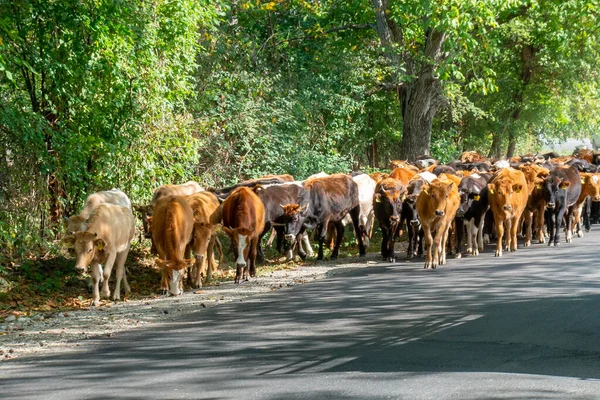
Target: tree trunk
[(496, 148)]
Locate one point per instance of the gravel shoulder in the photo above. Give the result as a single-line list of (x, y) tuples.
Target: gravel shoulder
[(56, 332)]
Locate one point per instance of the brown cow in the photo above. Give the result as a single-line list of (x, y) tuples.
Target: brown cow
[(243, 222), (536, 204), (404, 175), (507, 194), (172, 233), (437, 205), (163, 191), (106, 239), (590, 186), (403, 164), (207, 222), (379, 176), (470, 157)]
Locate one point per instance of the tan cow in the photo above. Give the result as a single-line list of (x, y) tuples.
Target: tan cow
[(207, 222), (77, 223), (172, 234), (437, 205), (106, 239), (404, 175), (507, 194)]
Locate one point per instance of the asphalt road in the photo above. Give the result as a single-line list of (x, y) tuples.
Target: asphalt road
[(523, 326)]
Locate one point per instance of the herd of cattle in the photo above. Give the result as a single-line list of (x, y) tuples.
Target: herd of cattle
[(436, 204)]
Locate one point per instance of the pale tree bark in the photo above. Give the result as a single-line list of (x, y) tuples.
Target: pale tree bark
[(422, 97)]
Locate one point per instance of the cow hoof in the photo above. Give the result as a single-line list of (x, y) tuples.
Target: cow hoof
[(95, 303), (476, 252), (498, 253), (580, 234), (392, 260), (528, 243), (469, 250), (457, 255)]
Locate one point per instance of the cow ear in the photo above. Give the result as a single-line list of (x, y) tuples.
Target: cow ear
[(450, 185), (69, 241), (100, 243), (228, 231), (565, 184), (517, 187), (490, 188), (377, 197)]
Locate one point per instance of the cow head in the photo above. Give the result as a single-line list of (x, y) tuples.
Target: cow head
[(88, 248), (437, 194), (592, 186), (293, 219), (502, 191), (388, 197), (240, 242), (554, 190), (173, 271)]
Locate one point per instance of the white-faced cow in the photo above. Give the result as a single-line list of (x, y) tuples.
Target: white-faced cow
[(561, 190)]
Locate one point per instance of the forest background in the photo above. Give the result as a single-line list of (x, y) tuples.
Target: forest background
[(133, 94)]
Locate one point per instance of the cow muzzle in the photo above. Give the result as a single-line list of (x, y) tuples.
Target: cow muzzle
[(394, 218), (440, 213), (596, 198), (415, 223), (507, 207), (289, 237), (551, 206)]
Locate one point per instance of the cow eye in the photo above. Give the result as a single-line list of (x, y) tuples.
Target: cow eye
[(89, 250)]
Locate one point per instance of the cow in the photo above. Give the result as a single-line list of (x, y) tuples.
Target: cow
[(470, 157), (403, 175), (172, 233), (534, 211), (77, 223), (185, 189), (507, 194), (251, 183), (387, 207), (274, 197), (437, 205), (403, 164), (106, 239), (470, 213), (590, 189), (324, 200), (206, 210), (379, 176), (410, 216), (561, 190), (243, 222)]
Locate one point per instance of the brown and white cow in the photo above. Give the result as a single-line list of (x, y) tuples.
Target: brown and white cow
[(77, 223), (106, 239), (507, 195), (243, 222), (206, 209), (172, 234), (437, 205)]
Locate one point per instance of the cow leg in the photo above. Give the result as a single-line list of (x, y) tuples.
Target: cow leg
[(385, 231), (106, 273), (515, 228), (96, 279), (391, 239), (267, 229), (470, 229), (274, 234), (460, 222), (210, 255), (330, 238), (569, 232), (527, 219), (355, 215), (254, 245), (479, 233), (587, 212), (551, 227), (306, 241), (499, 236), (428, 247), (120, 262), (339, 226)]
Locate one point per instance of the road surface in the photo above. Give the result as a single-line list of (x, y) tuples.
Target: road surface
[(523, 326)]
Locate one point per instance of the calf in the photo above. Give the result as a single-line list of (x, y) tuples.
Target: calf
[(243, 222), (172, 234), (561, 190), (437, 205), (507, 194), (206, 210), (387, 207), (77, 223), (324, 200), (106, 239)]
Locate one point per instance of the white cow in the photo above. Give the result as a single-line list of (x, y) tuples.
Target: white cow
[(77, 223), (106, 239)]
